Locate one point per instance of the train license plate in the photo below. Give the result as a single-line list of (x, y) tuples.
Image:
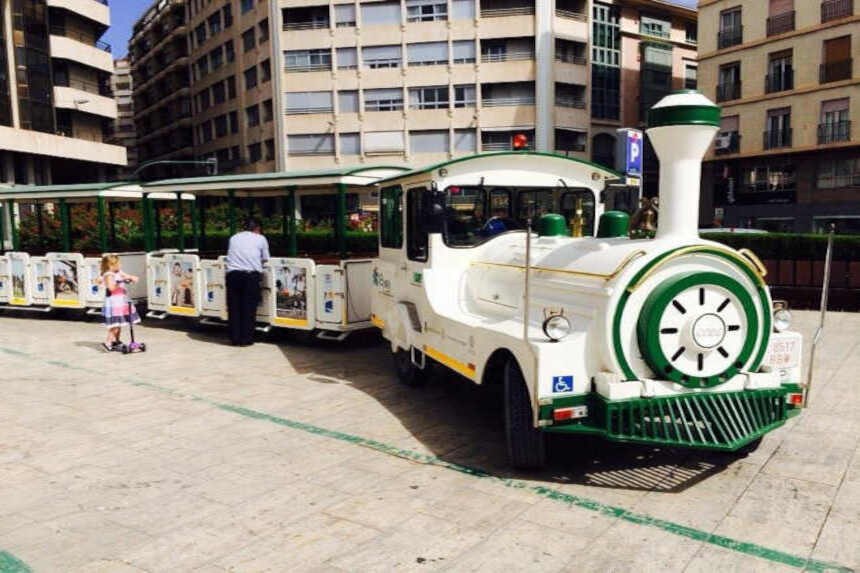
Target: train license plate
[(784, 350)]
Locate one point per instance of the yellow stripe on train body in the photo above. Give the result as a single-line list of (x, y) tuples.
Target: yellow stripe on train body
[(467, 370)]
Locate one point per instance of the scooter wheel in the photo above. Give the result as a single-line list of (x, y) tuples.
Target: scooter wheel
[(125, 349), (142, 347)]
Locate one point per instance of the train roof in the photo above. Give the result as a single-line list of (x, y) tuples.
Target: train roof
[(605, 171)]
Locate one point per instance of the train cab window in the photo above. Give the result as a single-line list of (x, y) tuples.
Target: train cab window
[(533, 204), (579, 203), (475, 214), (416, 237), (391, 217), (500, 203)]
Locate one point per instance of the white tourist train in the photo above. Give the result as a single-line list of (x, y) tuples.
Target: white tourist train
[(670, 340)]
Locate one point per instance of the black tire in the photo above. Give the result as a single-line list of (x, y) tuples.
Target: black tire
[(124, 349), (526, 444), (407, 372), (142, 347)]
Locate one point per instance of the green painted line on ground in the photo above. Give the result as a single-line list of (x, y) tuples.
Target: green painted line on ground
[(751, 549), (11, 564)]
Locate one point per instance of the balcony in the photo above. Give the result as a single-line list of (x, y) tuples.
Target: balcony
[(730, 37), (779, 82), (777, 139), (306, 25), (570, 101), (835, 9), (834, 132), (571, 58), (726, 92), (83, 38), (727, 142), (780, 24), (69, 48), (508, 101), (570, 15), (506, 56), (84, 101), (94, 10), (503, 12), (835, 71)]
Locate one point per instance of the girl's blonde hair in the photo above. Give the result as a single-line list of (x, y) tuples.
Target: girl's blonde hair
[(108, 262)]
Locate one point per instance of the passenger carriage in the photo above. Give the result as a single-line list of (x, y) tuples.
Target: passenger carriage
[(665, 341)]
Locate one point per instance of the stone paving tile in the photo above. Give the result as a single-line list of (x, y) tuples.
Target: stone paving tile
[(712, 558)]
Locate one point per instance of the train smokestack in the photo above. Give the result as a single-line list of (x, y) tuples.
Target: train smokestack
[(681, 127)]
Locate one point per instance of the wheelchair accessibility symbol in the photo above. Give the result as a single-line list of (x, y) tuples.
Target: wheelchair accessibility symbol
[(562, 383)]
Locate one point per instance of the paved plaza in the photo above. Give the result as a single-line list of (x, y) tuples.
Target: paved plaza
[(300, 456)]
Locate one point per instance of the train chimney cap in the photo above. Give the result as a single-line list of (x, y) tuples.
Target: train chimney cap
[(685, 107)]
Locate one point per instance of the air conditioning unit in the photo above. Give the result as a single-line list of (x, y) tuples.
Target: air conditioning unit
[(723, 140)]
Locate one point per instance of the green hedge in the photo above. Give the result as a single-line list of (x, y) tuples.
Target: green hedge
[(791, 246)]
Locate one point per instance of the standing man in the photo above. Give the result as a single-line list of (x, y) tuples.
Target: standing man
[(248, 252)]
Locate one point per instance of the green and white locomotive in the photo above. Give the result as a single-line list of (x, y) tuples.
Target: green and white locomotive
[(672, 340)]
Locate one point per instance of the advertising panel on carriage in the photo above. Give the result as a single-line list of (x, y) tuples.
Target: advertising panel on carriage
[(293, 303), (67, 280), (183, 281)]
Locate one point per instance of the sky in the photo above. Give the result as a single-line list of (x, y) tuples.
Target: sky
[(124, 14)]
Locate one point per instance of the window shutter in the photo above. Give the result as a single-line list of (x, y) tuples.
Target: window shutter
[(778, 7), (834, 105), (310, 143), (463, 9), (730, 123), (383, 94), (350, 143), (347, 101), (383, 142), (344, 13), (465, 140), (837, 50), (347, 57), (309, 101), (427, 52), (380, 52), (378, 13), (428, 141), (464, 50)]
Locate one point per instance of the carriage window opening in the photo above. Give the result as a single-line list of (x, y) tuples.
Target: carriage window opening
[(500, 203), (416, 238), (579, 203), (533, 204), (391, 217), (475, 214)]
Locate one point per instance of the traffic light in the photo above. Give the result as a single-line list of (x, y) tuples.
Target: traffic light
[(520, 141)]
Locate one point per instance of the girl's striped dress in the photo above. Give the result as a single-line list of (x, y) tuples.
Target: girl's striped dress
[(117, 311)]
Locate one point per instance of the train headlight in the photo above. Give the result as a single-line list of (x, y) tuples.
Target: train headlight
[(556, 327), (781, 319)]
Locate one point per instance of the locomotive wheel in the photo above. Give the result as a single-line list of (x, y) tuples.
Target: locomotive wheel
[(526, 444), (407, 372)]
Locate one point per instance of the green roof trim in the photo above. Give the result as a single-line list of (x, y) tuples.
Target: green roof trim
[(684, 115), (64, 188), (429, 168), (246, 177)]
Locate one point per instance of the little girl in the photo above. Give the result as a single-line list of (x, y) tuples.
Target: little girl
[(117, 310)]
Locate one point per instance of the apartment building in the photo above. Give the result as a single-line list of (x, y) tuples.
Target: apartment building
[(122, 131), (55, 100), (641, 51), (160, 60), (786, 157)]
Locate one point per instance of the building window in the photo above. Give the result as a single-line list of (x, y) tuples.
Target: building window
[(266, 71), (247, 5), (426, 10), (385, 99), (435, 97), (837, 60), (835, 9), (255, 153), (214, 23), (603, 150), (375, 57), (691, 76), (656, 75), (838, 173), (268, 111), (731, 30), (234, 122), (606, 62), (570, 52), (464, 96), (427, 54), (251, 78), (347, 58), (231, 87), (249, 40), (270, 150), (350, 143), (229, 50), (650, 26), (200, 34), (206, 131), (729, 78), (309, 102), (691, 32), (780, 75), (466, 140), (347, 101), (202, 67), (221, 127), (227, 12), (216, 58), (769, 179), (569, 141), (383, 142), (219, 93), (463, 10), (344, 15), (264, 31), (781, 17), (463, 51), (305, 18), (728, 140), (310, 144), (308, 60), (778, 132), (203, 100), (835, 125), (380, 13), (252, 116)]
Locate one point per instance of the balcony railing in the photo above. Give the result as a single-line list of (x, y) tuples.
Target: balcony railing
[(568, 59), (508, 101), (730, 37), (728, 143), (498, 146), (508, 56), (835, 71), (574, 102), (502, 12), (834, 132), (779, 82), (83, 85), (726, 92), (83, 38), (780, 23), (835, 9), (309, 109), (571, 15), (309, 67), (778, 138), (307, 25)]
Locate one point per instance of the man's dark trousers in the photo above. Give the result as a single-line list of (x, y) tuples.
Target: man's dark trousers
[(243, 295)]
